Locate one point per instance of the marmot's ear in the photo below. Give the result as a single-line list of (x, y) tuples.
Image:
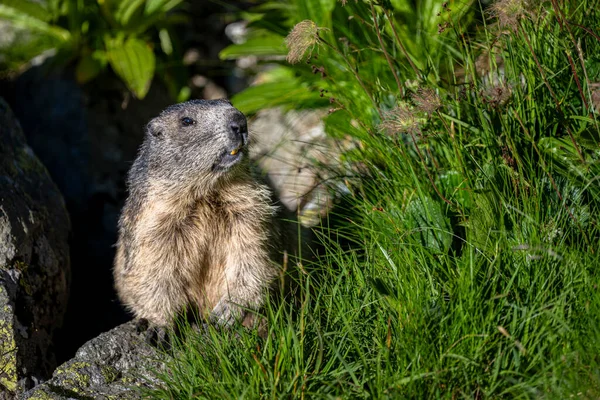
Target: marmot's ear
[(153, 128)]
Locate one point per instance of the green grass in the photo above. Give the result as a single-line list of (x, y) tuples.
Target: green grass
[(464, 261)]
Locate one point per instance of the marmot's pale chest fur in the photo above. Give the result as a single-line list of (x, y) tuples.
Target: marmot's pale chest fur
[(195, 229)]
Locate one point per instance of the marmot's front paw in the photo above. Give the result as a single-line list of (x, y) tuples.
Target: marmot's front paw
[(141, 325), (226, 313), (154, 335)]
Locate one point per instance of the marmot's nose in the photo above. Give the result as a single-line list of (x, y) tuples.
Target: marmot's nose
[(239, 130)]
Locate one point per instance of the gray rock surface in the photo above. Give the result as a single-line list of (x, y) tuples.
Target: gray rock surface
[(111, 366), (34, 261), (294, 152)]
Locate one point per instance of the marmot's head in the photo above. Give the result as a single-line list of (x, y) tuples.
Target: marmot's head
[(196, 139)]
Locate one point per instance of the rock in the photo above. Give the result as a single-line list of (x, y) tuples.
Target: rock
[(111, 366), (34, 261), (292, 149)]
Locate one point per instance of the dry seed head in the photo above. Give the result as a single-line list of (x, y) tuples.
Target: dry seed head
[(508, 12), (503, 331), (400, 119), (497, 95), (595, 87), (427, 100), (305, 35)]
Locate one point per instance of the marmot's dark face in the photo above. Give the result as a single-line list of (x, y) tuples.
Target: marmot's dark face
[(198, 137)]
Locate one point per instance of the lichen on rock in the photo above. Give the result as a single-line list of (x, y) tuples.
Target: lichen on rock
[(113, 365), (34, 262)]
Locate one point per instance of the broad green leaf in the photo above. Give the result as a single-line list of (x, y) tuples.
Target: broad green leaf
[(455, 187), (425, 217), (153, 6), (18, 52), (34, 10), (152, 16), (126, 9), (289, 93), (482, 224), (263, 45), (184, 94), (589, 138), (165, 42), (561, 149), (89, 66), (588, 134), (404, 6), (318, 11), (55, 8), (564, 154), (22, 20), (134, 62), (251, 17), (277, 74)]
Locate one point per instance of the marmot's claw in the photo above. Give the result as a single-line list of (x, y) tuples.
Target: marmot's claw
[(225, 314), (157, 336), (141, 325)]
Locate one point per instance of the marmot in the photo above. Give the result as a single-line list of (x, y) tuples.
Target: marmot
[(195, 230)]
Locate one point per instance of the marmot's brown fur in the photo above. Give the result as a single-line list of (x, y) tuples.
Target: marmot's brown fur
[(195, 229)]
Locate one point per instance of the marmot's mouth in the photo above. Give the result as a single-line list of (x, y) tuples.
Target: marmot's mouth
[(228, 159)]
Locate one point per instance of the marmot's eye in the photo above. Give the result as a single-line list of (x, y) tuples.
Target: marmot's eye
[(187, 121)]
